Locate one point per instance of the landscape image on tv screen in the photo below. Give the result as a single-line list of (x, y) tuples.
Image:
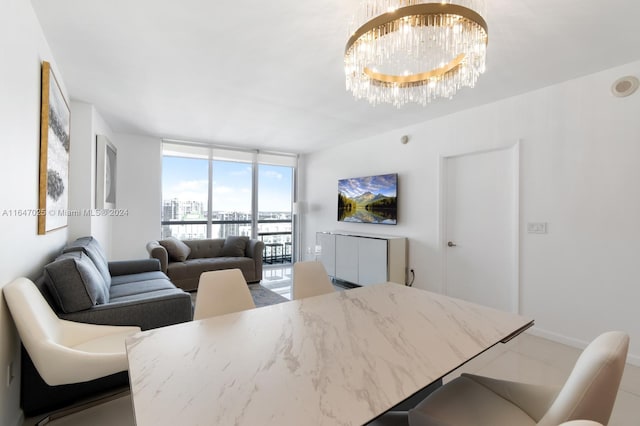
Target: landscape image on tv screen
[(371, 199)]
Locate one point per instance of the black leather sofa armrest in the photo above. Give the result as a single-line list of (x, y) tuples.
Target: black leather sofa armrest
[(138, 266)]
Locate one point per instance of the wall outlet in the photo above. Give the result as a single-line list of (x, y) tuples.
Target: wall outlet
[(537, 227), (10, 374)]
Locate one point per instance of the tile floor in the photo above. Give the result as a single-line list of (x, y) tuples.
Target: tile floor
[(526, 358), (277, 278)]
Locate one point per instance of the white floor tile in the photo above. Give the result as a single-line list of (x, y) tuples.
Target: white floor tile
[(631, 382), (551, 353), (626, 411), (520, 368)]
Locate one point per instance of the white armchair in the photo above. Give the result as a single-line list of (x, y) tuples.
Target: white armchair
[(64, 352)]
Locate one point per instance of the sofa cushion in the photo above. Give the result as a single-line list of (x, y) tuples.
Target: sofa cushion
[(139, 288), (92, 248), (143, 276), (75, 283), (178, 251), (234, 246), (186, 275)]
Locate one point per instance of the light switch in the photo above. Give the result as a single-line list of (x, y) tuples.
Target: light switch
[(537, 227)]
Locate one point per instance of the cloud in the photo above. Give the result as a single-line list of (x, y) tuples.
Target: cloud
[(272, 174), (221, 189), (188, 190)]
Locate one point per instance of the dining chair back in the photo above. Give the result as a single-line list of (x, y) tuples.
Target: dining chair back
[(222, 292), (588, 394), (590, 391), (310, 279)]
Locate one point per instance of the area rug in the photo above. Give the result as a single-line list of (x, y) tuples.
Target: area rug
[(262, 296)]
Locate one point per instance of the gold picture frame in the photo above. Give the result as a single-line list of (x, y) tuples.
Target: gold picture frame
[(53, 199)]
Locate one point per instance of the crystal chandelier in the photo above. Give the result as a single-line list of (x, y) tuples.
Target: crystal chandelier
[(403, 51)]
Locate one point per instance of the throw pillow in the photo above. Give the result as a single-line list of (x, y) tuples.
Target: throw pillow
[(93, 249), (75, 283), (234, 246), (177, 250)]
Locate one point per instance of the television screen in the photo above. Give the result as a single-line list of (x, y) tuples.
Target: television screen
[(371, 199)]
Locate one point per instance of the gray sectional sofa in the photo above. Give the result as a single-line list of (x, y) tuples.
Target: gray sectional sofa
[(184, 261), (82, 286)]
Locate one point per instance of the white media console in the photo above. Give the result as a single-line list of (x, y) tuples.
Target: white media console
[(363, 259)]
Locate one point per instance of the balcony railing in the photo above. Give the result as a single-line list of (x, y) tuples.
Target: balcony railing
[(278, 244)]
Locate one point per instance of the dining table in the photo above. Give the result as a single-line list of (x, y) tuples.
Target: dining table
[(342, 358)]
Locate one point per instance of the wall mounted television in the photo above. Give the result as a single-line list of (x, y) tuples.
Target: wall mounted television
[(370, 199)]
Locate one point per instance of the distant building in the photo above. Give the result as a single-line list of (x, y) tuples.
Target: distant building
[(224, 223)]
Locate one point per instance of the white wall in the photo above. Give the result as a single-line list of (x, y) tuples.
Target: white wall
[(22, 251), (139, 191), (81, 168), (86, 124), (102, 227), (138, 186), (579, 172)]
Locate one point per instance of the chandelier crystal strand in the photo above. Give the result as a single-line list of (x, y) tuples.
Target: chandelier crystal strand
[(415, 51)]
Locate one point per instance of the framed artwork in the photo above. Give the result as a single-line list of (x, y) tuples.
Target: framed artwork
[(106, 167), (53, 200)]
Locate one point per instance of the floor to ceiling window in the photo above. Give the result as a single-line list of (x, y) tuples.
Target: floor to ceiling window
[(231, 196), (210, 192), (275, 189), (185, 187)]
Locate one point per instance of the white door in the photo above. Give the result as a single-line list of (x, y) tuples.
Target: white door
[(481, 228)]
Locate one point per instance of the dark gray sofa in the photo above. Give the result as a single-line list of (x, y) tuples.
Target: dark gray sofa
[(184, 261), (82, 286)]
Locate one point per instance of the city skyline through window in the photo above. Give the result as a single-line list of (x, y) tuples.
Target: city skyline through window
[(186, 202)]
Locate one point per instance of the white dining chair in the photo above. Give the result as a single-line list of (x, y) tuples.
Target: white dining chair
[(222, 292), (310, 279), (588, 394)]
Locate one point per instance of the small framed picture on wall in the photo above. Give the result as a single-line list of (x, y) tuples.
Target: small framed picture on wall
[(106, 167)]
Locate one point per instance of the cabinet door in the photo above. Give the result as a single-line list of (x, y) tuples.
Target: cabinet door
[(347, 258), (372, 261), (327, 256)]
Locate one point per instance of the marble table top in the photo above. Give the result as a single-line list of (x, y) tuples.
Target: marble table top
[(337, 359)]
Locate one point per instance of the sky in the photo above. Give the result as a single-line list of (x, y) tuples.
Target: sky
[(381, 184), (187, 180)]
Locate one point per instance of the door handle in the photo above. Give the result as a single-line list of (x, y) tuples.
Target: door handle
[(451, 244)]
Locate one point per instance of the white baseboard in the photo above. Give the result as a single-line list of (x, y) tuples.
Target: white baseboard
[(575, 343)]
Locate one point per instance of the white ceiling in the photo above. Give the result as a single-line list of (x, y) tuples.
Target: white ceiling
[(268, 74)]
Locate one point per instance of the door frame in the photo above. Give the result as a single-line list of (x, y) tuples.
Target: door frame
[(516, 305)]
